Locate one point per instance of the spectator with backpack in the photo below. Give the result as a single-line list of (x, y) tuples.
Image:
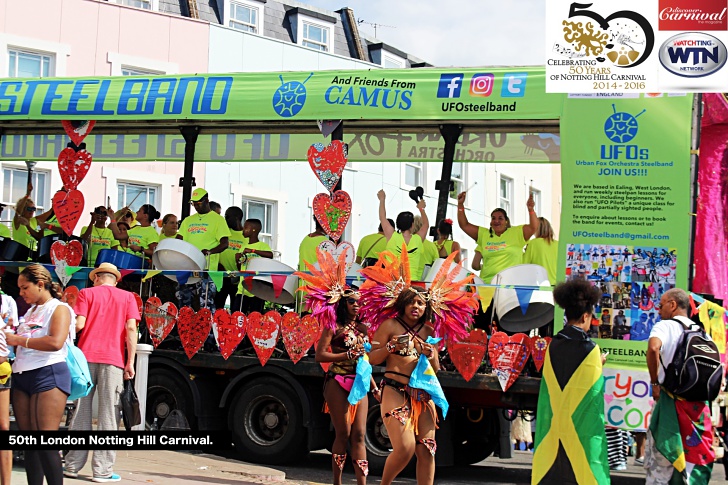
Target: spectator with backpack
[(685, 374)]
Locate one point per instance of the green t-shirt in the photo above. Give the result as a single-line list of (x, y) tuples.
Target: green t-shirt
[(100, 239), (429, 255), (5, 231), (500, 252), (414, 250), (370, 246), (236, 241), (204, 231), (143, 236), (22, 235), (540, 252), (307, 250), (162, 237), (259, 246), (52, 221)]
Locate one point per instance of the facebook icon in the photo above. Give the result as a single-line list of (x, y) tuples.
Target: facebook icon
[(450, 85), (514, 85)]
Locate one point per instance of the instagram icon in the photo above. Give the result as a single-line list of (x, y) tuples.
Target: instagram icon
[(482, 84)]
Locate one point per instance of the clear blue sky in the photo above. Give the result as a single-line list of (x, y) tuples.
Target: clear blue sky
[(455, 32)]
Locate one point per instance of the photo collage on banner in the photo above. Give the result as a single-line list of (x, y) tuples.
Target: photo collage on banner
[(632, 279)]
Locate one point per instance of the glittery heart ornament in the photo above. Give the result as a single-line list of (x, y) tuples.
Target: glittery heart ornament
[(332, 212), (328, 162), (468, 354), (68, 207), (77, 130), (160, 319), (298, 334), (539, 345), (70, 295), (71, 252), (73, 166), (140, 304), (263, 332), (193, 329), (508, 355), (229, 331)]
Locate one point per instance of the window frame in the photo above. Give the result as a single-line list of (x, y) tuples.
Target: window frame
[(126, 183), (119, 62), (417, 165), (460, 183), (153, 4), (325, 24), (231, 20), (50, 56), (43, 205), (400, 61), (537, 199), (325, 44), (137, 71), (270, 214), (505, 202)]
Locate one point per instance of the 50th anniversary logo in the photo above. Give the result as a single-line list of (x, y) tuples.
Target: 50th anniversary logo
[(616, 47)]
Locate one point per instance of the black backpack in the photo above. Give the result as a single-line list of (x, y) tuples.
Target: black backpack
[(695, 373)]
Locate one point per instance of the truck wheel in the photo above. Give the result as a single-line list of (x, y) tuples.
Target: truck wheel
[(474, 451), (376, 439), (267, 423), (166, 392)]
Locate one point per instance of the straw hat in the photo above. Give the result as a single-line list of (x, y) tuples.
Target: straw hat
[(105, 268)]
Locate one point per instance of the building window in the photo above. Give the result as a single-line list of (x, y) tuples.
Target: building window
[(506, 193), (15, 183), (243, 17), (315, 37), (136, 195), (537, 200), (135, 71), (263, 211), (29, 64), (392, 63), (414, 174), (146, 4), (458, 178)]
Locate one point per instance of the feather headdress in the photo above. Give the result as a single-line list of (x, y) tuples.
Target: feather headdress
[(325, 287), (452, 305)]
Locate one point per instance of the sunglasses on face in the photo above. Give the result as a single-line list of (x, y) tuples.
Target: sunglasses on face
[(30, 209), (351, 301), (129, 216)]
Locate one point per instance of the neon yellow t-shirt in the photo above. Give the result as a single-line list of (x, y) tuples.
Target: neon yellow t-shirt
[(22, 235), (540, 252), (204, 231), (307, 250), (52, 221), (429, 255), (5, 231), (371, 245), (259, 246), (414, 250), (236, 242), (100, 239), (162, 237), (142, 236), (500, 252)]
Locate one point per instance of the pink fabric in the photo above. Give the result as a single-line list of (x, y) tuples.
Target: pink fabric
[(345, 381), (106, 308), (711, 234)]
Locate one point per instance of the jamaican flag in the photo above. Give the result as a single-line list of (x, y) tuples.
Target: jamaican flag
[(571, 446)]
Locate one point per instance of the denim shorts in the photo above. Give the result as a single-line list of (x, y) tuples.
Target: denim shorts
[(43, 379)]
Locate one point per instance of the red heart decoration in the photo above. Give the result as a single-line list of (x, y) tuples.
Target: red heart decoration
[(467, 354), (229, 331), (73, 166), (332, 212), (160, 319), (71, 252), (328, 162), (70, 294), (77, 130), (68, 207), (508, 355), (539, 345), (263, 332), (140, 304), (298, 334), (193, 329)]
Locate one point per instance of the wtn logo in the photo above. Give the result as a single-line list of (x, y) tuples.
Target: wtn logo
[(692, 54)]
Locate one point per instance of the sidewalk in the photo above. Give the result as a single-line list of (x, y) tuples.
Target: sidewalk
[(174, 468)]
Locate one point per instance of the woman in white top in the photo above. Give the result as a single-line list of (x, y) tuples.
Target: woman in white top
[(41, 379)]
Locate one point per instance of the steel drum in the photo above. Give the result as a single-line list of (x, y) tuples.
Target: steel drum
[(462, 273), (44, 247), (120, 259), (178, 255), (541, 304), (14, 251), (262, 285)]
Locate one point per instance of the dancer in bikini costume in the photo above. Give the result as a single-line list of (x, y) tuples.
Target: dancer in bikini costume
[(342, 343), (403, 317)]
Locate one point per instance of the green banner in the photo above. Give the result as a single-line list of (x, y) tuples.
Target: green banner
[(388, 94), (363, 147), (625, 220)]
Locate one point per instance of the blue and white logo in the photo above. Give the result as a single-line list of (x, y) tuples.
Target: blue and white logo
[(692, 54), (621, 127), (289, 98), (514, 85), (450, 85)]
